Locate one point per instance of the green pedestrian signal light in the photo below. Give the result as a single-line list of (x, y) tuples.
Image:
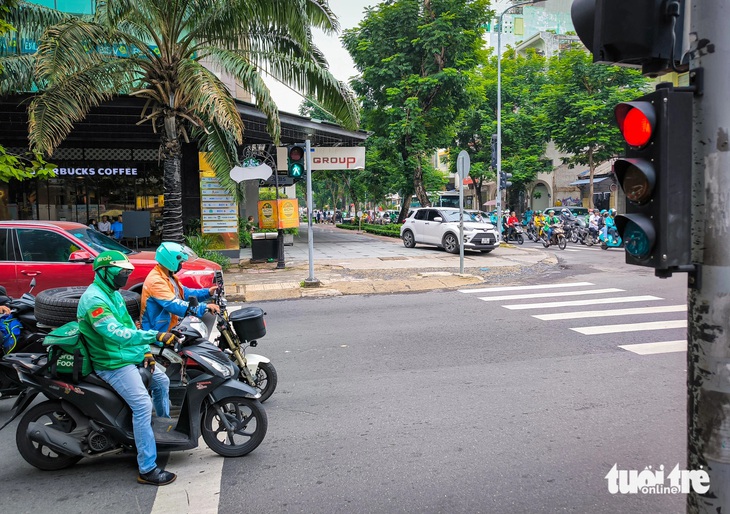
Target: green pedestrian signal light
[(295, 161)]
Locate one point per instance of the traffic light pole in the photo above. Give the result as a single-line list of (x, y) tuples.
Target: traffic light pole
[(708, 352), (310, 280)]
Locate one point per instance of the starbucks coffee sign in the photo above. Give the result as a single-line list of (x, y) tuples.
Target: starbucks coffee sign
[(95, 171)]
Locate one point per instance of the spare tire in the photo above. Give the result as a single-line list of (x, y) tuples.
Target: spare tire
[(56, 307)]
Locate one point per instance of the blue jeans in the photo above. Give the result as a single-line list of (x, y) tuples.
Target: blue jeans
[(128, 383)]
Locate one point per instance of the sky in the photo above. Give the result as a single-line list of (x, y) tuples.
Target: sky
[(349, 13)]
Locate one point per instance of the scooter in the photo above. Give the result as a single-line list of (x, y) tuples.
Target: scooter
[(238, 330), (516, 236), (609, 241), (89, 419), (30, 339), (557, 237)]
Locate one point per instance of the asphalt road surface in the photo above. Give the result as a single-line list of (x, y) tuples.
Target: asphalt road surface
[(482, 400)]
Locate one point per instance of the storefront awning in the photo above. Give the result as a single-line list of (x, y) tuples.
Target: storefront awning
[(587, 181)]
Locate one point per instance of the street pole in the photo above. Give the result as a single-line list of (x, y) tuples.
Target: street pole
[(499, 108), (708, 334), (310, 280)]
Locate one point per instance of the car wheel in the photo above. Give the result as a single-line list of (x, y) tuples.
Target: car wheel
[(409, 241), (56, 307), (451, 243)]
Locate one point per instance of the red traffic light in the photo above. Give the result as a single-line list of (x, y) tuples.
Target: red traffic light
[(296, 153), (636, 121)]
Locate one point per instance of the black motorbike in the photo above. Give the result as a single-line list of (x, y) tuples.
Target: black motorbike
[(514, 234), (30, 339), (89, 419)]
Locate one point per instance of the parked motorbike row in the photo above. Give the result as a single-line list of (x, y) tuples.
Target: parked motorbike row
[(216, 386)]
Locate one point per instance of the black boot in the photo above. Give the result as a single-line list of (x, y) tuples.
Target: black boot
[(157, 476)]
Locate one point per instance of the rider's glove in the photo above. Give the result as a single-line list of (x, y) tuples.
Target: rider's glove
[(149, 362), (166, 338)]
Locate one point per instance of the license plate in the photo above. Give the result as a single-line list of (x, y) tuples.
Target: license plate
[(486, 241)]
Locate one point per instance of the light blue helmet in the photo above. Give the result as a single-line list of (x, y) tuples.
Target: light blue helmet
[(171, 256)]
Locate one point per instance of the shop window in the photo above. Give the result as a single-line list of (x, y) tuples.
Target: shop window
[(38, 245)]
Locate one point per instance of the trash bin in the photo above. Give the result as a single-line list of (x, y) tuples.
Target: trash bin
[(263, 246)]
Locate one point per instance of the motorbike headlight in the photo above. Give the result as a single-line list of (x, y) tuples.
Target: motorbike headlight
[(225, 370)]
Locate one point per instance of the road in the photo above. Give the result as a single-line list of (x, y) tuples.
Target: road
[(457, 401)]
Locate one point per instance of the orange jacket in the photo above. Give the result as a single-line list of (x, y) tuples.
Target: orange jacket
[(161, 307)]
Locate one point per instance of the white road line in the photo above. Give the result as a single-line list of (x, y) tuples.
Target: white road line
[(631, 327), (655, 348), (198, 485), (550, 294), (614, 312), (570, 250), (580, 303), (524, 288)]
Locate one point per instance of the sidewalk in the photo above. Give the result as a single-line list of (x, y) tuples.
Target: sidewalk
[(346, 262)]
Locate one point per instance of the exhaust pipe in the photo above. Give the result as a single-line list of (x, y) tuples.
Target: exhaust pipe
[(56, 440)]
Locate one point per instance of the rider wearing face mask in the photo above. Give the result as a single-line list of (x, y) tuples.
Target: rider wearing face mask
[(117, 348), (164, 298)]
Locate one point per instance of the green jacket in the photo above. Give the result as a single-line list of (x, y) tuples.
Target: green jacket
[(111, 336), (551, 220)]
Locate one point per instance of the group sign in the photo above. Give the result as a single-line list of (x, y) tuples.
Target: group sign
[(329, 158)]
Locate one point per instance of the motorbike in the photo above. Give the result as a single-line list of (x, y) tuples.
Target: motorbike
[(90, 420), (238, 330), (556, 238), (516, 236), (610, 241), (30, 339)]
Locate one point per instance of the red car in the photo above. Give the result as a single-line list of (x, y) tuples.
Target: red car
[(60, 254)]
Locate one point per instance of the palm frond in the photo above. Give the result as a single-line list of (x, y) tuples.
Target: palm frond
[(18, 73), (220, 150), (30, 19), (207, 96), (250, 78), (66, 101)]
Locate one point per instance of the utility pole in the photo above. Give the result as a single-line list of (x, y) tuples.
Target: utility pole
[(708, 352)]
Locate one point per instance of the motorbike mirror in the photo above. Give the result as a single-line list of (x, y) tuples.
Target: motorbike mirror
[(80, 256)]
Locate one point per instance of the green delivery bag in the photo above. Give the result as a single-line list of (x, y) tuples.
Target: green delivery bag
[(67, 353)]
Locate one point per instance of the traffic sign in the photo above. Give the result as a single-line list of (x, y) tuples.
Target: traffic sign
[(463, 164)]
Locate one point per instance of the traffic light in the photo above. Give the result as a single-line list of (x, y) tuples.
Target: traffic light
[(295, 161), (655, 176), (642, 33), (504, 182)]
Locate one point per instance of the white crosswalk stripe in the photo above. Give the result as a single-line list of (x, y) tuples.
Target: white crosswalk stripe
[(549, 295), (515, 301)]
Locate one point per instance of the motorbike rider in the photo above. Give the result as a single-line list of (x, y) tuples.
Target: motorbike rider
[(593, 224), (611, 229), (550, 221), (512, 222), (117, 348), (164, 298), (4, 298)]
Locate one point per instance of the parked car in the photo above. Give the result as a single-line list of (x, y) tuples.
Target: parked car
[(440, 227), (577, 211), (61, 253)]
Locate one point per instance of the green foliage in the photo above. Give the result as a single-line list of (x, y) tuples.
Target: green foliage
[(267, 193), (21, 167), (201, 244), (192, 226), (390, 230), (413, 57)]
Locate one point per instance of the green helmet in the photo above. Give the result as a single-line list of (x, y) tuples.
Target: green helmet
[(112, 259), (171, 256)]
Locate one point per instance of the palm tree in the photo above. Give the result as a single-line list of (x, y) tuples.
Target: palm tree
[(155, 50)]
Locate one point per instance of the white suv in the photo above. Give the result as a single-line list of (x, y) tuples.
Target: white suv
[(439, 226)]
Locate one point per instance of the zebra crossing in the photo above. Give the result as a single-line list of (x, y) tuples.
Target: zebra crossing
[(524, 298)]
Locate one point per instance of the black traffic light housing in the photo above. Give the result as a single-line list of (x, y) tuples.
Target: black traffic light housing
[(504, 182), (295, 161), (656, 177), (642, 33)]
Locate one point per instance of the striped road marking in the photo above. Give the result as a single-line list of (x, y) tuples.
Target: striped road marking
[(654, 348), (549, 295), (631, 327), (580, 303), (614, 312), (524, 288)]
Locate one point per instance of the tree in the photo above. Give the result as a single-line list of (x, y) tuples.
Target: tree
[(524, 138), (413, 56), (579, 101), (164, 51), (27, 164)]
